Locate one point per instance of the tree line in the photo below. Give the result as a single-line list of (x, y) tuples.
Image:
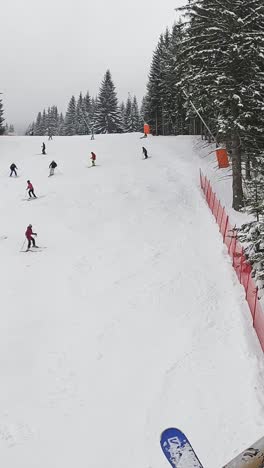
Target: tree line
[(86, 115), (213, 61)]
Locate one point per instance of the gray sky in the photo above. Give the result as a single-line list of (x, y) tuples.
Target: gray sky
[(51, 49)]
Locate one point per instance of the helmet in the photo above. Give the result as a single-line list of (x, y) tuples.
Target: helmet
[(28, 181), (30, 225)]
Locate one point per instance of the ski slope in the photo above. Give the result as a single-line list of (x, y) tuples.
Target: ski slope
[(130, 321)]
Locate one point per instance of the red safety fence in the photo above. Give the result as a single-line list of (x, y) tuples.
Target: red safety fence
[(242, 267)]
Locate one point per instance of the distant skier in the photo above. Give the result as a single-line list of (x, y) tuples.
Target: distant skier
[(29, 235), (13, 169), (50, 135), (52, 167), (93, 158), (30, 189), (144, 151), (43, 148)]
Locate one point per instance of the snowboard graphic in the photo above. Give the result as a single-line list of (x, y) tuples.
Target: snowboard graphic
[(253, 457), (178, 450)]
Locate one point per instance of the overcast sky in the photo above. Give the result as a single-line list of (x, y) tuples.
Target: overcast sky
[(52, 49)]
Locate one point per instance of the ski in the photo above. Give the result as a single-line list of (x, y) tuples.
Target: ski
[(252, 457), (38, 248), (178, 450)]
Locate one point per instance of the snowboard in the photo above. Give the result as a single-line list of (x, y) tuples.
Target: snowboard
[(253, 457), (178, 450)]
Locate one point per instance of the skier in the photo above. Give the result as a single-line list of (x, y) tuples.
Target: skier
[(13, 169), (30, 189), (43, 148), (144, 151), (52, 167), (29, 233), (50, 135), (93, 158)]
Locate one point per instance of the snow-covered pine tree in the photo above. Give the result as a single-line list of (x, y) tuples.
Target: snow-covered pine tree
[(143, 112), (53, 120), (123, 111), (30, 131), (224, 73), (2, 127), (87, 111), (174, 102), (61, 130), (153, 98), (128, 116), (44, 123), (38, 125), (107, 116), (82, 126), (252, 235), (136, 120), (92, 114), (70, 122)]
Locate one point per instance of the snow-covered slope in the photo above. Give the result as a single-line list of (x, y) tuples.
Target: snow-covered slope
[(130, 321)]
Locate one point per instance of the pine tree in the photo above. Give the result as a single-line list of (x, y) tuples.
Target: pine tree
[(61, 129), (53, 121), (224, 72), (38, 125), (123, 111), (128, 116), (107, 117), (44, 123), (136, 120), (2, 127), (70, 122), (153, 101)]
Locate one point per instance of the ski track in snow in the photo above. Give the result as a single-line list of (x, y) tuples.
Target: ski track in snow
[(132, 320)]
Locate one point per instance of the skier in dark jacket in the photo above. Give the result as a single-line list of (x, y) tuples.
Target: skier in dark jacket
[(145, 152), (43, 148), (52, 167), (13, 169), (30, 189), (29, 233)]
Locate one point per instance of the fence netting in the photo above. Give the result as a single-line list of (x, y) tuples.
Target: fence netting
[(242, 268)]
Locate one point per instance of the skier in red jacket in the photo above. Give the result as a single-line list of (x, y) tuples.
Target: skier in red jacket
[(93, 158), (30, 189), (29, 233)]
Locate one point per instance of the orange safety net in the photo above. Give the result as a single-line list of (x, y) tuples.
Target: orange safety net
[(242, 267)]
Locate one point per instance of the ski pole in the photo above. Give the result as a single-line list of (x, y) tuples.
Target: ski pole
[(23, 245)]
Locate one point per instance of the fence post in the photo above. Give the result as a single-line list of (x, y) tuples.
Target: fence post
[(241, 265), (201, 181), (234, 252), (227, 218), (246, 288), (255, 306), (213, 204), (209, 186), (205, 183), (220, 225), (217, 211), (210, 194)]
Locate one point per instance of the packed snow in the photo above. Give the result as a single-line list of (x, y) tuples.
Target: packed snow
[(131, 320)]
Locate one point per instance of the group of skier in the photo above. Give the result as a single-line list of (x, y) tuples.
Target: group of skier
[(13, 168)]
